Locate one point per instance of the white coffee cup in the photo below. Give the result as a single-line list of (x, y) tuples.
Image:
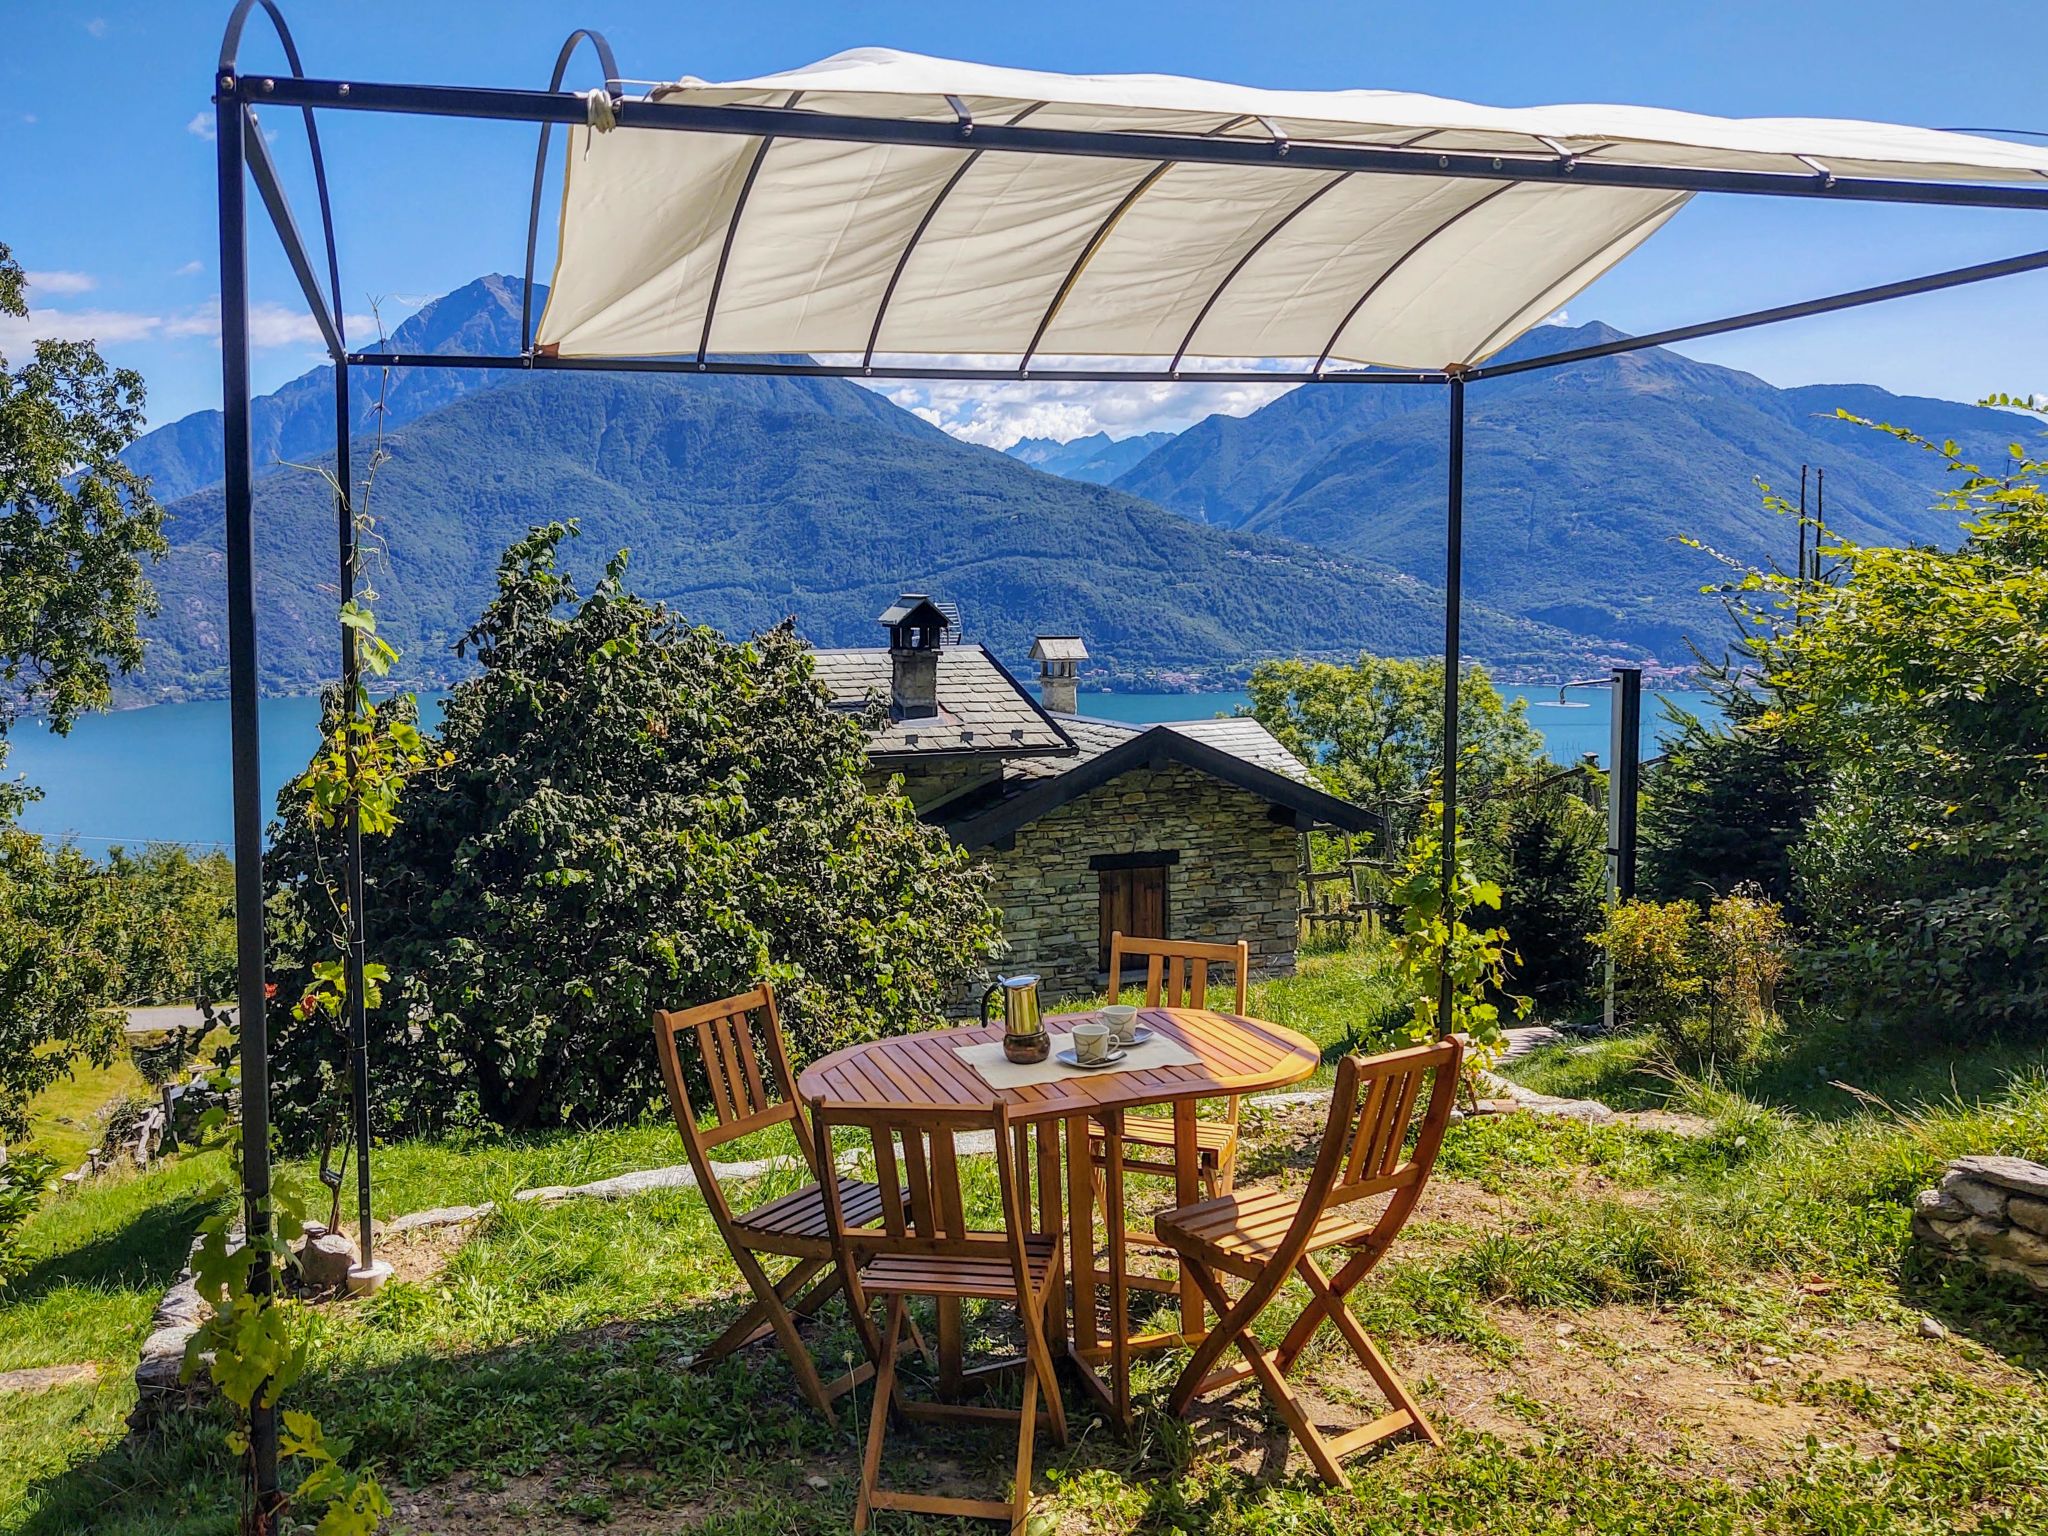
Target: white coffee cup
[(1091, 1042), (1122, 1019)]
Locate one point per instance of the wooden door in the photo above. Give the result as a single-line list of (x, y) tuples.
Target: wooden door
[(1133, 903)]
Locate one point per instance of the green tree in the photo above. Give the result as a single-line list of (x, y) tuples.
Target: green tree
[(1372, 731), (1550, 857), (1917, 680), (76, 525), (1728, 803), (58, 987), (624, 812)]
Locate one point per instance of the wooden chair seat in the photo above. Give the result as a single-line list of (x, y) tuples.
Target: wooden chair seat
[(749, 1088), (1267, 1237), (921, 1244), (1177, 975), (952, 1274), (1241, 1232), (799, 1224)]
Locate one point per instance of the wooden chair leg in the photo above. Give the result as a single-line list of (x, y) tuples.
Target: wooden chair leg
[(878, 1417), (785, 1330), (1020, 1496), (753, 1325), (1368, 1354), (1234, 1322)]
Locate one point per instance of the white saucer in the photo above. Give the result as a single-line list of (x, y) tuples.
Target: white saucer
[(1068, 1058)]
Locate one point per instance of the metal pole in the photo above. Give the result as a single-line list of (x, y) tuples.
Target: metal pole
[(1625, 783), (248, 787), (352, 829), (1454, 581)]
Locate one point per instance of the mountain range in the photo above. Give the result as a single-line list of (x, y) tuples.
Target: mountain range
[(1312, 526), (1580, 483), (1097, 458), (744, 501)]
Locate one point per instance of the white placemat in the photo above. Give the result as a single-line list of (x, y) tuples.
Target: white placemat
[(998, 1071)]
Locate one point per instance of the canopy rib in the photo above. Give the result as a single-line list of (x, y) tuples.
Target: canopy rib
[(1257, 246), (931, 212), (732, 229), (1145, 184), (1399, 262)]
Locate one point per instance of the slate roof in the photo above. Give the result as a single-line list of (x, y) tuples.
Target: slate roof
[(982, 708), (1058, 648), (1237, 752), (1240, 738)]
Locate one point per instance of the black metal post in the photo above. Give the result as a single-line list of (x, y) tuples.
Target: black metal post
[(1625, 780), (1454, 583), (242, 715)]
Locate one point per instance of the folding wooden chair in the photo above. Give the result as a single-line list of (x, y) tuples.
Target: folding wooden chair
[(923, 1246), (1177, 976), (795, 1225), (1263, 1236)]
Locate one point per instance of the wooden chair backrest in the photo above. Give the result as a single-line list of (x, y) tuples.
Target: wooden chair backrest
[(746, 1064), (1177, 970), (917, 1171), (1365, 1148)]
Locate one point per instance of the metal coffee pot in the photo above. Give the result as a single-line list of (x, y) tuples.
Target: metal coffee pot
[(1024, 1036)]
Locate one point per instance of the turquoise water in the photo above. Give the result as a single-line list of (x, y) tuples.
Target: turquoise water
[(142, 775)]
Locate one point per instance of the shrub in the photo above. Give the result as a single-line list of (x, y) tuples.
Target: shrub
[(23, 1178), (624, 812), (1551, 857), (1727, 805), (1918, 679), (1704, 981)]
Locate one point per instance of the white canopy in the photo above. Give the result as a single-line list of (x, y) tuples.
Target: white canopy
[(839, 247)]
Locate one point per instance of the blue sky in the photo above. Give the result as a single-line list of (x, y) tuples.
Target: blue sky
[(106, 176)]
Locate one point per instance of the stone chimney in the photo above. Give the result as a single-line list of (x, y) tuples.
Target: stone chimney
[(1059, 658), (917, 633)]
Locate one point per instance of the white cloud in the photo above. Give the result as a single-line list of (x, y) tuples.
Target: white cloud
[(101, 325), (201, 125), (997, 415), (29, 118), (1558, 317), (190, 269), (270, 326), (97, 26), (61, 282)]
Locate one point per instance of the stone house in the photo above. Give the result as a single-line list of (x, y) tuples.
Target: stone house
[(1187, 829)]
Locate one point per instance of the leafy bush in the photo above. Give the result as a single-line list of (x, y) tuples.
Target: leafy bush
[(171, 923), (1727, 805), (1704, 982), (58, 987), (1372, 731), (623, 813), (1438, 940), (23, 1178), (1550, 854), (1918, 681)]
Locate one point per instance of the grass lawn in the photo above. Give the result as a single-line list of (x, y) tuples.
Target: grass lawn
[(1617, 1330), (64, 1120)]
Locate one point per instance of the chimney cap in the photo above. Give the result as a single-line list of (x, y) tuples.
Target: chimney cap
[(1058, 648), (917, 607)]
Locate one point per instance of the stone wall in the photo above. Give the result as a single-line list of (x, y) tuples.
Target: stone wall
[(1991, 1211), (1237, 876)]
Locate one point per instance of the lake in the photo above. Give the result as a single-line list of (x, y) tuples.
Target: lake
[(161, 774)]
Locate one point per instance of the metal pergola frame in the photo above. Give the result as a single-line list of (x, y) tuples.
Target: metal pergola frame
[(243, 156)]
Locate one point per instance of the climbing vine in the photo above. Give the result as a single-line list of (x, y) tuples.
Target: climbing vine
[(255, 1343), (1437, 937)]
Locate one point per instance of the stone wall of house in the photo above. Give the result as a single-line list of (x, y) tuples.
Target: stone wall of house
[(1236, 878), (1990, 1211)]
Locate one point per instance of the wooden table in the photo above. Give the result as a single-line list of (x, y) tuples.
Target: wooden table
[(1236, 1055)]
